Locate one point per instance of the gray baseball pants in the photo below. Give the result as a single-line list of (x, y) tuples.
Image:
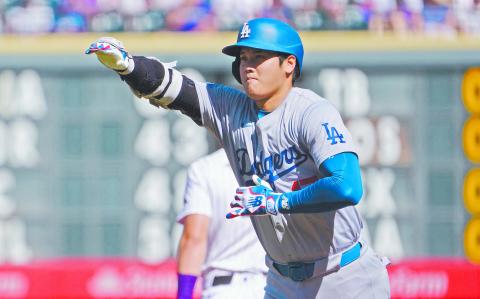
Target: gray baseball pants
[(365, 278)]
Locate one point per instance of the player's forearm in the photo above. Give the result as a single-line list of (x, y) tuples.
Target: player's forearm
[(191, 255), (163, 86), (191, 252), (145, 76), (342, 187)]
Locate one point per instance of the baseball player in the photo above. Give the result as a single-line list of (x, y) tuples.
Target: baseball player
[(290, 152), (228, 256)]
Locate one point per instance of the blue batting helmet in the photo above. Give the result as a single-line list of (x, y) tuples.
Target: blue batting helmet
[(266, 34)]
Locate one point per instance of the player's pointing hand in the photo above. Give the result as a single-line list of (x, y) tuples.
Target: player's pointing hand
[(256, 200), (111, 53)]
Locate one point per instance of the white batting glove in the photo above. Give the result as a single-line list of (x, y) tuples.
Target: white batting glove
[(256, 200), (111, 53)]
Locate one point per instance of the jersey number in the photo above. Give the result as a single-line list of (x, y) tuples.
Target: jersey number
[(332, 134)]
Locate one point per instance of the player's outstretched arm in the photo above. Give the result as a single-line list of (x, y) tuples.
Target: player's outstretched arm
[(149, 78)]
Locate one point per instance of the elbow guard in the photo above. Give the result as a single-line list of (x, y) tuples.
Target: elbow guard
[(168, 90), (154, 80)]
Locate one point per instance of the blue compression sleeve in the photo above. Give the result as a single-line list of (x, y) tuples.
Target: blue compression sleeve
[(341, 187)]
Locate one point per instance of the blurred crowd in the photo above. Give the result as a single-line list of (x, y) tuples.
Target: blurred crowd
[(427, 16)]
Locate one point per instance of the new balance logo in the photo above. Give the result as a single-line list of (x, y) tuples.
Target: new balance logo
[(332, 134), (255, 202), (245, 31)]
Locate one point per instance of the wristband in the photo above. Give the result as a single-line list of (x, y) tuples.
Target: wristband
[(186, 284)]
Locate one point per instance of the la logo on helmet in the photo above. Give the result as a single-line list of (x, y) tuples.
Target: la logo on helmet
[(245, 31)]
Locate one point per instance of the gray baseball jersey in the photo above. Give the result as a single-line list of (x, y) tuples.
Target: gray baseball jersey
[(286, 148)]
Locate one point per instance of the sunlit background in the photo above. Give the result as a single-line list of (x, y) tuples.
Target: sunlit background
[(91, 178)]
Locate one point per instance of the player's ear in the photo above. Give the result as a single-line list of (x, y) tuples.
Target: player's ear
[(289, 64)]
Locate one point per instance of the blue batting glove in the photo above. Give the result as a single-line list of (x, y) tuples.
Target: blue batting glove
[(255, 201), (111, 53)]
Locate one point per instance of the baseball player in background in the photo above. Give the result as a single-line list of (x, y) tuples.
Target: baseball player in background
[(290, 152), (228, 257)]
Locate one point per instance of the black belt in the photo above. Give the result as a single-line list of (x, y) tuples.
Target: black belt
[(220, 280), (299, 271)]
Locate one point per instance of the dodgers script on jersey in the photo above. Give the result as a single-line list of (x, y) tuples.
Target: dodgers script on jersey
[(231, 246), (286, 148)]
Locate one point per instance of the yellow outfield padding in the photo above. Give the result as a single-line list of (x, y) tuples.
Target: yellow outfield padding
[(471, 191), (471, 139), (471, 90), (471, 240), (213, 42)]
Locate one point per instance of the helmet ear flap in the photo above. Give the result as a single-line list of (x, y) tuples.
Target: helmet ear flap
[(236, 69)]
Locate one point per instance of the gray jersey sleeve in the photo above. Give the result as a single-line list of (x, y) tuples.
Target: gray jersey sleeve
[(218, 103), (323, 132)]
